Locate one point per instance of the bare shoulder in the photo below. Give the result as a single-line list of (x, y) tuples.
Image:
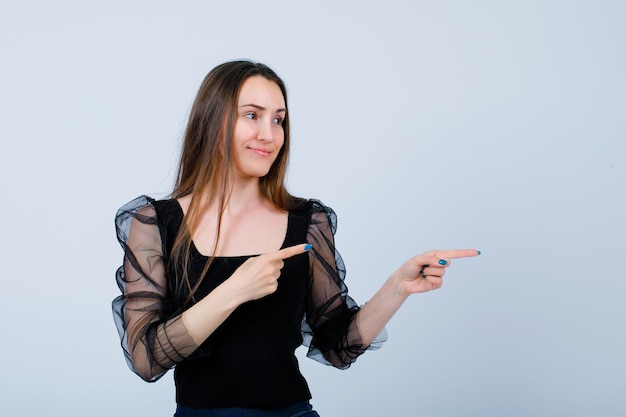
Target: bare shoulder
[(184, 203)]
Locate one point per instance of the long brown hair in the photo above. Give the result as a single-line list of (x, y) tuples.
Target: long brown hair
[(206, 164)]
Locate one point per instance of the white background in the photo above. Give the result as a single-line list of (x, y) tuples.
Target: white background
[(498, 125)]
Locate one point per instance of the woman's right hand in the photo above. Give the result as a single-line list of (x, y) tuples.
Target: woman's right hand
[(258, 276)]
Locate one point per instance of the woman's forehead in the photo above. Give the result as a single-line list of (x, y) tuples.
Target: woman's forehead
[(262, 92)]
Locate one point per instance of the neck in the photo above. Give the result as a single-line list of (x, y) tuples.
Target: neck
[(244, 193)]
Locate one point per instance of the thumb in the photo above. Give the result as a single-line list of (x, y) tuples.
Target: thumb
[(429, 259)]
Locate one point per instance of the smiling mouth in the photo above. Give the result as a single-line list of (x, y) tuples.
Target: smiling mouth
[(260, 152)]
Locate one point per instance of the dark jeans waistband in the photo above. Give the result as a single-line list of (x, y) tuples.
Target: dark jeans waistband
[(303, 409)]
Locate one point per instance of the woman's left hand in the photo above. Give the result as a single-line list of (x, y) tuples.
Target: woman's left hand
[(425, 272)]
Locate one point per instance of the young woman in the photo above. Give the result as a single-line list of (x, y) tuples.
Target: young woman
[(225, 280)]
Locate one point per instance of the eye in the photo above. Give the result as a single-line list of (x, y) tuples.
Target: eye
[(278, 120), (250, 115)]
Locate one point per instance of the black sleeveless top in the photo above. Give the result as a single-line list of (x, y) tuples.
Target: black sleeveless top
[(249, 360)]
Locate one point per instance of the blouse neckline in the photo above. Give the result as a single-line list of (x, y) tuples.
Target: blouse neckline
[(181, 215)]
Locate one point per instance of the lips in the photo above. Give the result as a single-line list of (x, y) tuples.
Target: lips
[(262, 152)]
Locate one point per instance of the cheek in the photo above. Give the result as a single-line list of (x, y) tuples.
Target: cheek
[(280, 139), (280, 142)]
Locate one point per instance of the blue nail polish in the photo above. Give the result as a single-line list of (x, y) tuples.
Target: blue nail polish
[(443, 262), (479, 252), (308, 246)]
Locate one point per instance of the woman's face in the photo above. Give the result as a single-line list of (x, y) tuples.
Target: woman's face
[(259, 134)]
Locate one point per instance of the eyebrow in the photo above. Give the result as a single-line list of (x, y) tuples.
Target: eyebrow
[(256, 106)]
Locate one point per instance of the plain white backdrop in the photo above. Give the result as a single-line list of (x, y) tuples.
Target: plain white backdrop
[(498, 125)]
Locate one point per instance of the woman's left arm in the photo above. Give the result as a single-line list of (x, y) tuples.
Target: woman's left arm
[(421, 273), (336, 330)]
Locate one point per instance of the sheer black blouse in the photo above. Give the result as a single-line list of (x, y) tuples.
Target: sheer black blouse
[(249, 360)]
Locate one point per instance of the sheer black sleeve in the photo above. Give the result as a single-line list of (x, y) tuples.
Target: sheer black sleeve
[(330, 327), (154, 337)]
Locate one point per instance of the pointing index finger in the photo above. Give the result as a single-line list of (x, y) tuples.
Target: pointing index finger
[(455, 253), (292, 251)]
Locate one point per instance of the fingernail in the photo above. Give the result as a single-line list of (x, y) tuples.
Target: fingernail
[(308, 246), (479, 252), (443, 262)]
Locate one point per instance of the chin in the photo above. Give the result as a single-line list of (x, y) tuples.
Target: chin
[(257, 173)]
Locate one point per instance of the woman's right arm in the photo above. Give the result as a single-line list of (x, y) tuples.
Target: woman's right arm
[(254, 279), (155, 334)]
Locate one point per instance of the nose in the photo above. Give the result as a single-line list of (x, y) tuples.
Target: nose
[(266, 131)]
